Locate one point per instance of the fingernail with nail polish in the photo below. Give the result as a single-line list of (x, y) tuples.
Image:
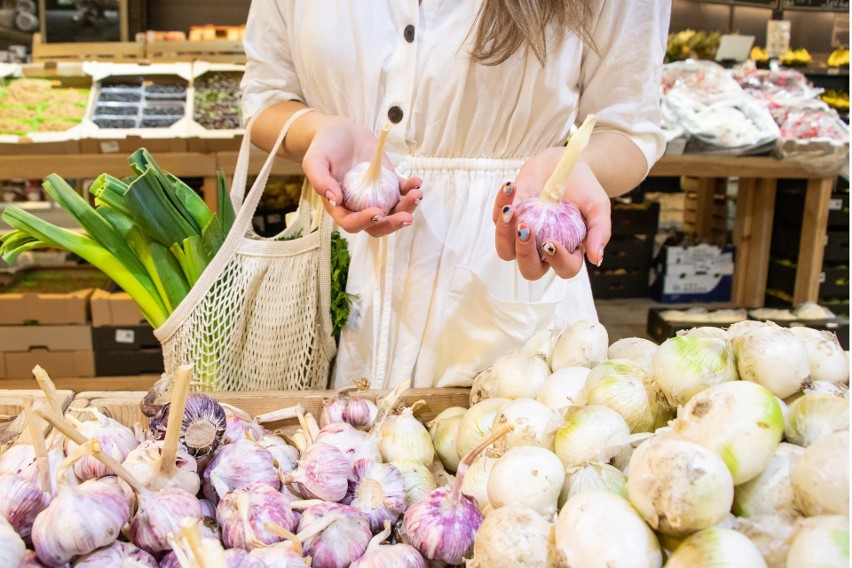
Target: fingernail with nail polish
[(523, 233), (406, 223), (507, 188), (507, 214), (549, 248), (330, 196)]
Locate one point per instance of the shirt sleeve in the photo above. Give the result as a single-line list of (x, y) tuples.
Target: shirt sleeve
[(620, 78), (270, 75)]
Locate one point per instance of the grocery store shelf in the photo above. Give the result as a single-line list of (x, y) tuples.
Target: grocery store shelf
[(729, 166), (129, 383)]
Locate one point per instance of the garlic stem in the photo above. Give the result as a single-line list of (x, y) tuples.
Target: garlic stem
[(373, 173), (377, 540), (243, 511), (311, 530), (313, 427), (387, 405), (306, 431), (58, 422), (37, 435), (554, 187), (49, 389), (6, 417), (361, 384), (282, 414), (464, 464), (180, 393), (285, 534), (192, 534), (305, 503)]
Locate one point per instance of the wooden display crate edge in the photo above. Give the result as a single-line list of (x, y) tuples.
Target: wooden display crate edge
[(12, 404), (115, 51)]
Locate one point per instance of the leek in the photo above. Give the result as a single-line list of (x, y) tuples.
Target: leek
[(153, 212), (110, 191), (226, 206)]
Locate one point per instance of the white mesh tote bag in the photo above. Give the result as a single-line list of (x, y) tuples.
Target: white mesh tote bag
[(258, 318)]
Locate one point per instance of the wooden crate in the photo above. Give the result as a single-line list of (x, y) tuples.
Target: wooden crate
[(124, 406), (214, 51), (113, 51), (12, 404)]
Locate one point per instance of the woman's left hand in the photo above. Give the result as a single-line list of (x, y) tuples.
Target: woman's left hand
[(516, 241)]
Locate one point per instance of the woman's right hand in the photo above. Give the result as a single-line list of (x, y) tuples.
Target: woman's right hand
[(338, 144)]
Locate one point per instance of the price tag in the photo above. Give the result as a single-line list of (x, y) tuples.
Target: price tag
[(822, 277), (125, 336), (835, 205), (109, 147)]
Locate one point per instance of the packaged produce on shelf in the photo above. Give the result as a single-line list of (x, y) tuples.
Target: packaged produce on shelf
[(812, 135), (838, 100), (40, 105), (217, 100), (779, 86), (839, 58), (796, 57), (713, 438), (691, 44)]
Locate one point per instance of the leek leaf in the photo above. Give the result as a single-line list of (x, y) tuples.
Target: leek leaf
[(153, 211), (226, 206)]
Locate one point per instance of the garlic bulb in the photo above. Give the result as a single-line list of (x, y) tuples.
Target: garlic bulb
[(360, 413), (238, 428), (535, 425), (115, 438), (679, 487), (592, 434), (239, 465), (827, 360), (21, 501), (239, 558), (636, 349), (159, 515), (354, 444), (527, 475), (244, 513), (484, 384), (403, 437), (444, 430), (370, 184), (12, 547), (601, 529), (717, 547), (389, 555), (286, 456), (513, 536), (93, 513), (593, 477), (774, 357), (143, 463), (417, 480), (476, 423), (117, 554), (279, 555), (564, 388), (17, 458), (341, 542), (202, 427), (813, 416), (321, 474), (584, 343), (377, 490), (30, 560)]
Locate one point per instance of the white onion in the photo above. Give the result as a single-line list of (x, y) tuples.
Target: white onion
[(535, 425), (636, 349), (826, 387), (820, 542), (746, 326), (716, 547), (593, 477), (517, 375), (475, 480), (527, 475), (813, 416), (444, 430), (476, 424), (771, 492), (564, 388), (827, 360), (623, 386), (513, 536), (541, 342), (403, 437), (739, 420), (771, 535), (583, 343), (686, 365), (773, 357), (592, 434), (821, 478), (678, 486), (417, 478), (706, 331), (599, 529)]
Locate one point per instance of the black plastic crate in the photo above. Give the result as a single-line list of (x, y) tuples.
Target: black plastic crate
[(661, 329), (629, 251), (635, 218), (122, 363), (785, 244), (834, 280), (124, 338), (619, 282), (790, 205)]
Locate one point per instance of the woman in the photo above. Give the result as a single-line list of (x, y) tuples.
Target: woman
[(479, 94)]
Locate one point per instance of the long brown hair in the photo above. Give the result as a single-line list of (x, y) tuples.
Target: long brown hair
[(506, 25)]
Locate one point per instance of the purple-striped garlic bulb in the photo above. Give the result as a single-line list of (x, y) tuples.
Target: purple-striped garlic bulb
[(21, 501), (115, 438), (55, 455), (159, 515), (354, 444), (239, 558), (442, 526), (321, 473), (359, 412), (550, 218), (30, 560), (369, 184), (380, 555), (335, 544), (244, 513), (377, 490), (12, 547), (208, 509), (240, 426), (143, 463), (117, 554), (286, 456), (17, 458), (202, 428), (239, 465), (80, 519), (281, 555)]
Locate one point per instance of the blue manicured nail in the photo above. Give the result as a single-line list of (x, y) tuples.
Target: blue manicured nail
[(508, 188), (507, 214), (523, 233)]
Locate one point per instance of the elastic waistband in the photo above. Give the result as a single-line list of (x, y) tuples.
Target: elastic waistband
[(425, 163)]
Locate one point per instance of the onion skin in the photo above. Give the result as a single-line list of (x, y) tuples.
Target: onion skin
[(477, 422), (560, 222), (820, 542), (813, 416), (771, 492), (514, 536), (716, 547), (592, 434), (773, 357), (687, 364), (444, 430), (263, 504), (527, 475), (821, 477), (583, 343)]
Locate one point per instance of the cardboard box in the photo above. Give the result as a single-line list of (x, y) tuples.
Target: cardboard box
[(60, 364), (16, 338), (45, 309), (696, 260), (114, 309)]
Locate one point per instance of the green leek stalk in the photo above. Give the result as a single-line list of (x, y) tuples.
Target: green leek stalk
[(226, 206), (152, 210), (110, 191)]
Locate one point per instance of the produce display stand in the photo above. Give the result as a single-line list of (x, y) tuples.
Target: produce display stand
[(115, 51), (11, 407)]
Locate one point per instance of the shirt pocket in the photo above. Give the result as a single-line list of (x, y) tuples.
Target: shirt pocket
[(478, 327)]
